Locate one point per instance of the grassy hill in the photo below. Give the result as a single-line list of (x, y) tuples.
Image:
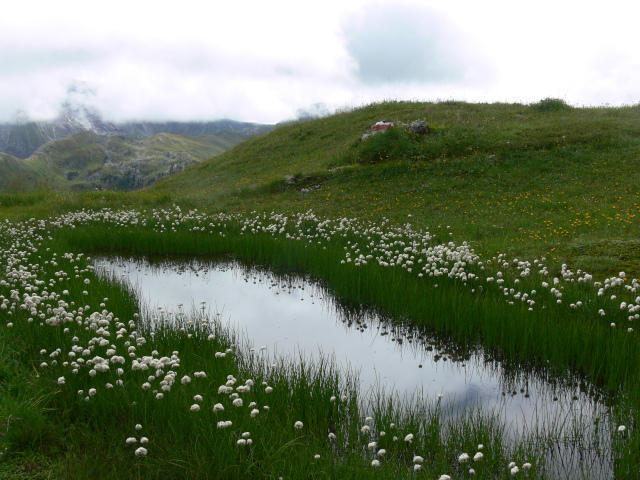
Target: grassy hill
[(15, 173), (87, 160), (543, 179), (516, 182)]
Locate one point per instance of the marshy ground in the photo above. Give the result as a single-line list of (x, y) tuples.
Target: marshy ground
[(509, 226)]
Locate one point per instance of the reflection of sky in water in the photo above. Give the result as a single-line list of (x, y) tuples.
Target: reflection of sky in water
[(274, 311)]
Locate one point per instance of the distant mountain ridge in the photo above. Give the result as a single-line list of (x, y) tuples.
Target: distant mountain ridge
[(24, 137), (88, 160), (141, 130)]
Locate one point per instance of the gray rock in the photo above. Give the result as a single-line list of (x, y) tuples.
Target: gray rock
[(419, 127), (371, 134)]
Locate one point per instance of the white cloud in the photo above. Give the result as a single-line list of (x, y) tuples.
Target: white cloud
[(405, 43), (263, 61)]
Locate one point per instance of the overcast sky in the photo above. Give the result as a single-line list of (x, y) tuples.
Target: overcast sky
[(267, 61)]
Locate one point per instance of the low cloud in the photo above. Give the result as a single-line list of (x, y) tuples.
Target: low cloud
[(30, 60), (393, 43), (317, 110), (162, 64)]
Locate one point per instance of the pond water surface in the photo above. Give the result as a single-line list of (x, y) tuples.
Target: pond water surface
[(293, 315)]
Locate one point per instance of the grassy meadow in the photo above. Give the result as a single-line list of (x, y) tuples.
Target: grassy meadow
[(509, 226)]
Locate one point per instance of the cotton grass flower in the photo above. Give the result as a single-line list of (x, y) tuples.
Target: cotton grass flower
[(298, 425), (144, 440), (131, 440), (254, 412), (409, 438), (138, 427), (417, 467), (218, 407), (141, 452), (375, 463), (478, 456), (418, 459), (195, 407), (463, 458)]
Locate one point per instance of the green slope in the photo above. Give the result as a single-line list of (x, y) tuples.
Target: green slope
[(87, 160), (17, 174), (531, 180), (542, 179)]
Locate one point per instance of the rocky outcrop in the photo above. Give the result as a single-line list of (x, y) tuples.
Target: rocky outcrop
[(419, 127), (378, 127)]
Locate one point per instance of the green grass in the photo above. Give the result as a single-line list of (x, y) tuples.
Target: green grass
[(507, 177), (544, 180), (87, 432)]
